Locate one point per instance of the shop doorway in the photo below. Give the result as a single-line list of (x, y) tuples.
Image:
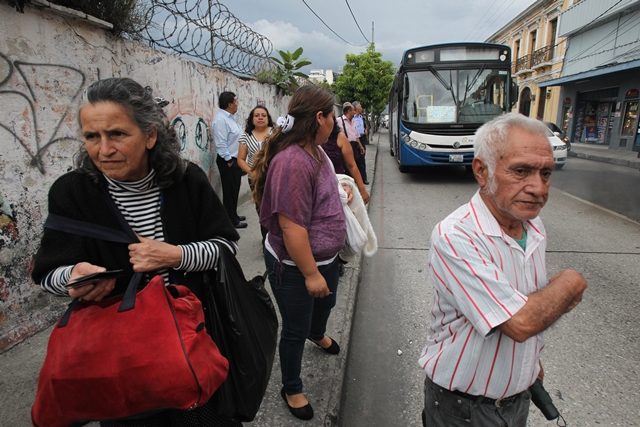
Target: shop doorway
[(525, 102), (594, 116)]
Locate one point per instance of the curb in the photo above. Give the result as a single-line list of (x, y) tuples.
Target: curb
[(634, 164), (335, 401)]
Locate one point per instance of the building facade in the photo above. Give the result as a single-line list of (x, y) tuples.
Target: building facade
[(599, 83), (537, 54), (320, 76)]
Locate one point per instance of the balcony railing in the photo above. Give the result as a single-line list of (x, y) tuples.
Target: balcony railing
[(523, 63), (542, 55)]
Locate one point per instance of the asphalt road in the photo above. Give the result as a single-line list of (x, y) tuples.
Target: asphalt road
[(614, 187), (592, 355)]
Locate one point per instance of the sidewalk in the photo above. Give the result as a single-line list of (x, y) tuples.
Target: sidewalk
[(322, 374), (602, 153)]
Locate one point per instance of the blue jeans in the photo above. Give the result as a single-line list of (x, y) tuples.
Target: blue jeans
[(302, 315)]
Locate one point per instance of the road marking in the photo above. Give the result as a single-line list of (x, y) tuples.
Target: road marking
[(602, 208)]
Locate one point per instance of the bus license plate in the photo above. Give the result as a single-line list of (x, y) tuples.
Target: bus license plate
[(456, 158)]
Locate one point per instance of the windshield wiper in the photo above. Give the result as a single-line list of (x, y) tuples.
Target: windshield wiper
[(448, 86)]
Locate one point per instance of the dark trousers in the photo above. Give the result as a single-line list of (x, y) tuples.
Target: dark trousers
[(302, 315), (443, 408), (230, 177), (360, 159), (263, 231)]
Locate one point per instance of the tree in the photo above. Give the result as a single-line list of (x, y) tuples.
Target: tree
[(367, 78), (287, 69)]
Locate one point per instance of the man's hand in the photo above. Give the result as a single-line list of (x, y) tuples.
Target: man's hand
[(152, 255), (95, 291)]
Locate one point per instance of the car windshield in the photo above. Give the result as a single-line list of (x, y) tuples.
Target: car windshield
[(454, 96)]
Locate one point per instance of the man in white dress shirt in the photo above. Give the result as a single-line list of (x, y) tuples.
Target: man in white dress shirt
[(226, 132), (492, 298)]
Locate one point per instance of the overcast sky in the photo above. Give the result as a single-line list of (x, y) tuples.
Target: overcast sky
[(399, 24)]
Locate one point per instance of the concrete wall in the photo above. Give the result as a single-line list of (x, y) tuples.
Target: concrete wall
[(46, 61)]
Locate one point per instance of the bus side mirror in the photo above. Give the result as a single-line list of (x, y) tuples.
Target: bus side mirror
[(513, 94)]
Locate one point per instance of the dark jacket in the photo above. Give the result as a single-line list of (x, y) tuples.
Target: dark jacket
[(191, 211)]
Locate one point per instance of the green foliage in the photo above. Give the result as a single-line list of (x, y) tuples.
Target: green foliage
[(127, 16), (326, 86), (367, 78), (287, 66)]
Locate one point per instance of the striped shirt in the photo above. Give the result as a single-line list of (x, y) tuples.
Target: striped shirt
[(253, 145), (481, 278), (348, 127), (140, 202)]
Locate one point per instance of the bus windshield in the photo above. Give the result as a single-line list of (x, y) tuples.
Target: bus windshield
[(440, 96)]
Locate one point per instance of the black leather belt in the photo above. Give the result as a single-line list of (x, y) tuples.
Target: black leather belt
[(498, 403)]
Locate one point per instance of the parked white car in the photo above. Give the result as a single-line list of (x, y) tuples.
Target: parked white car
[(559, 149)]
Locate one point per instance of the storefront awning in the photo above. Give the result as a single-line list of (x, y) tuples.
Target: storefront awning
[(591, 73)]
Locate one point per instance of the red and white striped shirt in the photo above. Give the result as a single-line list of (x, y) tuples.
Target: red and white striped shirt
[(481, 278)]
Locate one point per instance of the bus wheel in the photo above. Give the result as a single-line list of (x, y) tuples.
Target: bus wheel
[(468, 168), (403, 169)]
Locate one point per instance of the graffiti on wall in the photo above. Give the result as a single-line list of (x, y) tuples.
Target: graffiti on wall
[(33, 93), (8, 228), (195, 139)]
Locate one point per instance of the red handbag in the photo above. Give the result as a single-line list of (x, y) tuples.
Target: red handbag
[(134, 355)]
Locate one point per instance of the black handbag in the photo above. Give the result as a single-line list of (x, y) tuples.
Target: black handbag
[(242, 320)]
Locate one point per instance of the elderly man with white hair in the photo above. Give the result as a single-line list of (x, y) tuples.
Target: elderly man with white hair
[(492, 297)]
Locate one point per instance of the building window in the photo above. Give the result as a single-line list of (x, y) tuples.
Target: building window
[(551, 37), (532, 41)]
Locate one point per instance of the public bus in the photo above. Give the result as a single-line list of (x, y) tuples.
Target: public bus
[(441, 95)]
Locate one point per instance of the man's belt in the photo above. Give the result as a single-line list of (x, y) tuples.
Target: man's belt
[(498, 403)]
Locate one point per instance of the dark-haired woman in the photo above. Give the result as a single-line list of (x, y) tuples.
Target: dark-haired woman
[(339, 151), (258, 128), (301, 209), (130, 159)]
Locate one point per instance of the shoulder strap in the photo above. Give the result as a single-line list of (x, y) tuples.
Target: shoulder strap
[(344, 127), (86, 229)]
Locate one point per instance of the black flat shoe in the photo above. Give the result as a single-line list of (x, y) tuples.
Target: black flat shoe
[(242, 218), (241, 225), (304, 413), (334, 348)]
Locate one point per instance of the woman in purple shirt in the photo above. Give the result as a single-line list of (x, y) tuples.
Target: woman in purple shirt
[(301, 209)]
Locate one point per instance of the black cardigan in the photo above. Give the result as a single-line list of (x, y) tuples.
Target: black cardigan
[(190, 211)]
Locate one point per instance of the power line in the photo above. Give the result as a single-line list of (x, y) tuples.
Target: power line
[(327, 25), (495, 18), (356, 21), (616, 32), (474, 29), (612, 32)]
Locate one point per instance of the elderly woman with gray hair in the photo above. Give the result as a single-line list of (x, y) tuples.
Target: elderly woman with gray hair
[(130, 159)]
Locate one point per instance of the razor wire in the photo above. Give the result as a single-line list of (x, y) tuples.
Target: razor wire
[(207, 31)]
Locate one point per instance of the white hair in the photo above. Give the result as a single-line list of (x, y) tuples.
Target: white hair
[(491, 139)]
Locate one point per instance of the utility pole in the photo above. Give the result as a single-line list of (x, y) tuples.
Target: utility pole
[(372, 32)]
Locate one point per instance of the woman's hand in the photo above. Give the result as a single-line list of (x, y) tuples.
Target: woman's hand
[(365, 196), (95, 291), (152, 255), (316, 285)]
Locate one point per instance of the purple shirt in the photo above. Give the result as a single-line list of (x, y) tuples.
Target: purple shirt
[(306, 192)]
